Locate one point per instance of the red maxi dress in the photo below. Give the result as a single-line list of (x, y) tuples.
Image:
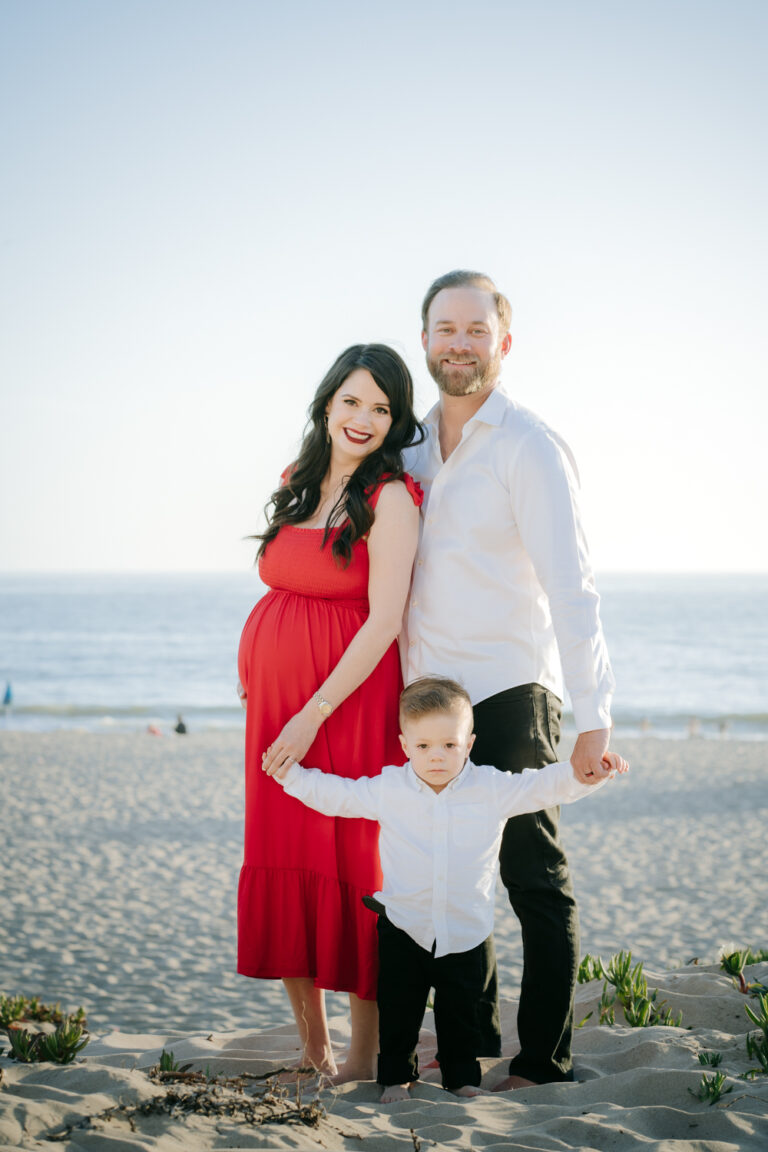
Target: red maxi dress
[(304, 874)]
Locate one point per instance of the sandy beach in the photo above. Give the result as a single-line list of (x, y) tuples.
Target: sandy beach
[(119, 865)]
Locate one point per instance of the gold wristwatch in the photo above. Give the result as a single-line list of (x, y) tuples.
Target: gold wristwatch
[(325, 707)]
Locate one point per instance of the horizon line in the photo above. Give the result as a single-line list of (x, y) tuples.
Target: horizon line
[(608, 571)]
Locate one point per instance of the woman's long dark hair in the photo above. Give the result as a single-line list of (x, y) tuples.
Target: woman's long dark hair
[(298, 498)]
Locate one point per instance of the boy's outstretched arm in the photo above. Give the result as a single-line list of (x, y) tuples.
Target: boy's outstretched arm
[(536, 788), (332, 795)]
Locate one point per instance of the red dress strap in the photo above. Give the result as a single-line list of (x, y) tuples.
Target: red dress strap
[(375, 490), (413, 486)]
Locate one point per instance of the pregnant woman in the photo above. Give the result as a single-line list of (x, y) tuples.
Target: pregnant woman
[(320, 676)]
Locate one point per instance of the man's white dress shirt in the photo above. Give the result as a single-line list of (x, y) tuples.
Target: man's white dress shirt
[(439, 850), (502, 579)]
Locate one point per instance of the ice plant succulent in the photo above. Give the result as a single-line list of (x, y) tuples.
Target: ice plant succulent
[(641, 1009), (757, 1046), (711, 1088)]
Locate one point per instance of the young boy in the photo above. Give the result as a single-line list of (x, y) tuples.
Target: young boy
[(441, 820)]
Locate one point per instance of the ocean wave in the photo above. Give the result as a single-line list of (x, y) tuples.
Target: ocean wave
[(628, 722), (107, 710), (128, 718)]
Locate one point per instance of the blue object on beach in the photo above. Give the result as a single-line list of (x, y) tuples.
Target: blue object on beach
[(8, 698)]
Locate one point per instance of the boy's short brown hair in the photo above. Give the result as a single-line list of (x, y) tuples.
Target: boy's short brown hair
[(432, 694)]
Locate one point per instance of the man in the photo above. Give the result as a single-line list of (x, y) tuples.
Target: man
[(502, 585)]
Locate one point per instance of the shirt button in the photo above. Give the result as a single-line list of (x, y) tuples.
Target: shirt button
[(412, 644), (420, 563), (414, 603)]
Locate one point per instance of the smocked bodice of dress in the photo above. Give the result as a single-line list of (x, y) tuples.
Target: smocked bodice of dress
[(295, 560)]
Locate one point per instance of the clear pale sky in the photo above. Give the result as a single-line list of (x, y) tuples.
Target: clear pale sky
[(202, 204)]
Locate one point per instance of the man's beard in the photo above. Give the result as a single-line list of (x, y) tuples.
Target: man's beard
[(453, 382)]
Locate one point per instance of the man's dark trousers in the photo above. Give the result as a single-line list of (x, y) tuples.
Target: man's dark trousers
[(517, 729)]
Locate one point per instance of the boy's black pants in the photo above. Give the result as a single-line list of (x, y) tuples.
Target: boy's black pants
[(406, 973), (517, 729)]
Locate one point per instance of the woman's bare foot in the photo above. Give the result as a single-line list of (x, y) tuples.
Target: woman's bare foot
[(308, 1004), (394, 1093), (302, 1072), (352, 1071), (469, 1090), (322, 1061), (513, 1082), (360, 1061)]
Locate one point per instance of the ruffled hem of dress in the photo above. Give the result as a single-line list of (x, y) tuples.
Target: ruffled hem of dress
[(293, 922)]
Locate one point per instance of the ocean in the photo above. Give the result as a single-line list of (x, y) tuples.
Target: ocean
[(690, 653)]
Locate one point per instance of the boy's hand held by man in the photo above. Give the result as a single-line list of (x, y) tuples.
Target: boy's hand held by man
[(610, 764)]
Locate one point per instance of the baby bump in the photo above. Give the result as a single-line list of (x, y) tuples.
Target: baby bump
[(294, 636)]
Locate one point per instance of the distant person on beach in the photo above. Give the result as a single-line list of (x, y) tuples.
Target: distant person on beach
[(441, 820), (320, 675), (503, 594), (181, 727), (8, 697)]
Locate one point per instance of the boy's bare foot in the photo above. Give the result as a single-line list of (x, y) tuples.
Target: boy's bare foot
[(394, 1093), (468, 1090), (513, 1082)]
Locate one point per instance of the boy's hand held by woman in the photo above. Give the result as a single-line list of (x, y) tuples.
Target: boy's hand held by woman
[(294, 740)]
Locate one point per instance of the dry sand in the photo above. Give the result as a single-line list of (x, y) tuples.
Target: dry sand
[(118, 868)]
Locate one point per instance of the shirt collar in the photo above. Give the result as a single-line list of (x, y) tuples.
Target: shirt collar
[(491, 412), (462, 778), (412, 779), (418, 784)]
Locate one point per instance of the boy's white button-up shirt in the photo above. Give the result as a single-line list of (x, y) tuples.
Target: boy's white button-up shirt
[(503, 592), (439, 850)]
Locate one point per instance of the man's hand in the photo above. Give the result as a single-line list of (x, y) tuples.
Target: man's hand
[(588, 753)]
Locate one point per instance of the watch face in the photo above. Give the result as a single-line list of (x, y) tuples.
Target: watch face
[(326, 709)]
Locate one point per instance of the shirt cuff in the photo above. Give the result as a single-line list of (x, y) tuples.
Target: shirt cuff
[(292, 776), (590, 714)]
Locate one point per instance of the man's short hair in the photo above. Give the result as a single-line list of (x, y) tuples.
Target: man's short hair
[(431, 694), (461, 278)]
